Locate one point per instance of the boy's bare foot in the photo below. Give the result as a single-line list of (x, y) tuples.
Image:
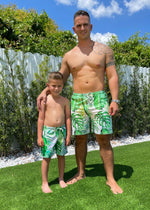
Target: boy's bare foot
[(46, 188), (114, 187), (76, 178), (62, 184)]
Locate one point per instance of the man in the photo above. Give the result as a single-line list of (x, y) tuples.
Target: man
[(88, 62)]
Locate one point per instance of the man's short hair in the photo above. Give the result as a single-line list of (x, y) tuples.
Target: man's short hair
[(55, 75), (81, 12)]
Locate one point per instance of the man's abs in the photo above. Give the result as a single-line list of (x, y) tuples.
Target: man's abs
[(88, 80)]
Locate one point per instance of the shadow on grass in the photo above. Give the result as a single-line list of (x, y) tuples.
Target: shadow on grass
[(120, 171), (95, 170), (67, 176)]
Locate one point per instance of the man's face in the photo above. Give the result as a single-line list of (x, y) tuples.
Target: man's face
[(82, 26)]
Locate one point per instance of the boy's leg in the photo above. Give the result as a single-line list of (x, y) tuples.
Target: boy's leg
[(61, 167), (44, 169)]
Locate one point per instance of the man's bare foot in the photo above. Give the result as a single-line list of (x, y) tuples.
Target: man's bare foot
[(46, 188), (75, 178), (62, 184), (114, 187)]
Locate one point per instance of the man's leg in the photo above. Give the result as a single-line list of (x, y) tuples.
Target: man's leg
[(106, 153), (61, 167), (80, 152)]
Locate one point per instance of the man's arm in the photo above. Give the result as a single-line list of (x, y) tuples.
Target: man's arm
[(113, 81), (65, 71), (65, 68), (42, 97), (40, 125)]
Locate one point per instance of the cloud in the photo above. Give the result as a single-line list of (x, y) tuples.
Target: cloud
[(87, 4), (137, 5), (97, 9), (102, 11), (66, 2), (103, 38)]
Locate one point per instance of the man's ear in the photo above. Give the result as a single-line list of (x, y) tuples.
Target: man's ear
[(91, 27), (74, 29)]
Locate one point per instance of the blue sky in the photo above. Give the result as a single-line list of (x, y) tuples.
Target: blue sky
[(122, 18)]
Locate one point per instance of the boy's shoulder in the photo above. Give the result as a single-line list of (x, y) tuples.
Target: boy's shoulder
[(61, 99), (65, 100)]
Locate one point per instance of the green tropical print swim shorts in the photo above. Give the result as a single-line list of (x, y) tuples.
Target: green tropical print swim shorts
[(90, 113), (54, 141)]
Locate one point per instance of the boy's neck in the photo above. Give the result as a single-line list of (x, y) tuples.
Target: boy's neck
[(55, 96)]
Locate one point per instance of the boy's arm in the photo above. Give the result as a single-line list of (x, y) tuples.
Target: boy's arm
[(68, 121), (40, 125)]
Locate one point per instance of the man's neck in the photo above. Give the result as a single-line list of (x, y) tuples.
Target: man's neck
[(85, 43)]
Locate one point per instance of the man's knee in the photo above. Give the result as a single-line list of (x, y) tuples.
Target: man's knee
[(104, 141), (81, 140)]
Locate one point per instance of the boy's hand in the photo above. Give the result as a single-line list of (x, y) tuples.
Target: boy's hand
[(40, 142), (67, 141)]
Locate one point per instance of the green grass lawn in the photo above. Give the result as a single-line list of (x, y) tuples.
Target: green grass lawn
[(20, 186)]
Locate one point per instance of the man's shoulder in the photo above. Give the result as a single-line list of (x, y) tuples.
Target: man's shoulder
[(102, 47), (70, 52)]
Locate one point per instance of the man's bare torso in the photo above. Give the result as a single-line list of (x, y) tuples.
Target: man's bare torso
[(87, 66)]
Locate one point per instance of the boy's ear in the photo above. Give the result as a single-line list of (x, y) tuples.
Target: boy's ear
[(47, 85)]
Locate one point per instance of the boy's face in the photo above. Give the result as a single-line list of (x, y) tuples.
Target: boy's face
[(55, 86)]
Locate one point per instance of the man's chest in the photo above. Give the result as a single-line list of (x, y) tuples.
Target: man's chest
[(80, 60)]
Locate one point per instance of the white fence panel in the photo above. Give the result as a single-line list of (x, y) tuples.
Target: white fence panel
[(33, 61)]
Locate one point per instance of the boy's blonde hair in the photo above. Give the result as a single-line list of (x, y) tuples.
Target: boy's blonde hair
[(55, 75)]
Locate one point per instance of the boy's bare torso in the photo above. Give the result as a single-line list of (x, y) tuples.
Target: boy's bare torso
[(87, 66), (55, 111)]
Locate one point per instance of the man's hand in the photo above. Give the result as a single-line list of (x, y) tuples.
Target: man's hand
[(40, 142), (113, 108), (42, 96)]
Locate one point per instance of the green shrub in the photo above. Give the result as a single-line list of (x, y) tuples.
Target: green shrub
[(16, 116), (133, 118), (28, 31)]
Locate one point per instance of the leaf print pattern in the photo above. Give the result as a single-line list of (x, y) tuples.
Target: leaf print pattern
[(90, 107), (54, 141)]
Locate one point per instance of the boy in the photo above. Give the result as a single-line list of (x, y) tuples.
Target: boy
[(54, 129)]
